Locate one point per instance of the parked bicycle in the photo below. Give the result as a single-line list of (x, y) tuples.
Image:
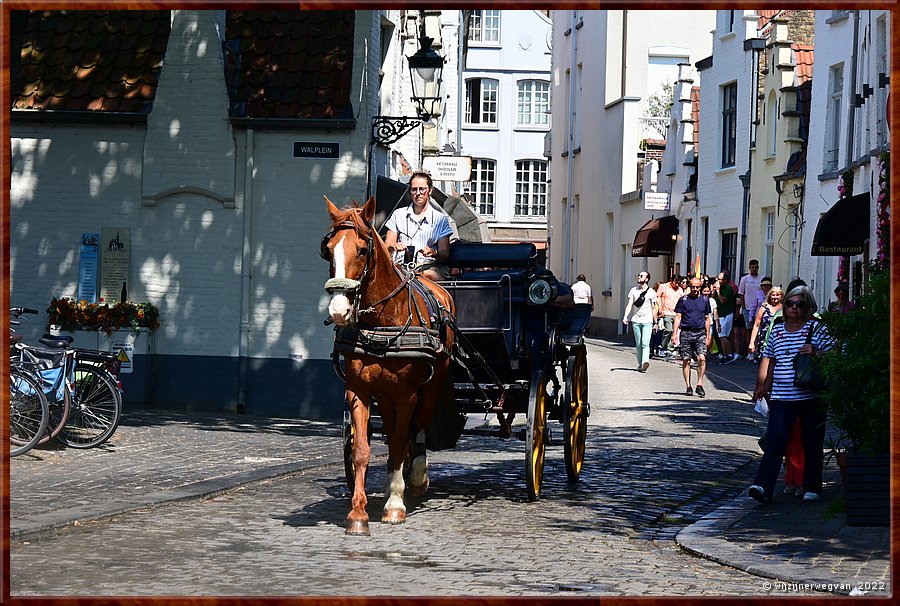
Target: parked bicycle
[(29, 411), (81, 386)]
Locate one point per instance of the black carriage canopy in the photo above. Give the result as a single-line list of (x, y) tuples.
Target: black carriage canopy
[(656, 237), (843, 229)]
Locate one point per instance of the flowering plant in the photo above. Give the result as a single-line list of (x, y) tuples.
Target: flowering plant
[(81, 315), (883, 229)]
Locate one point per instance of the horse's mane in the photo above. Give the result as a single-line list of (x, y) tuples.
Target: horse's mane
[(353, 213)]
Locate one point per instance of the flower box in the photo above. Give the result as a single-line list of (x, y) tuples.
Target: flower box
[(70, 315)]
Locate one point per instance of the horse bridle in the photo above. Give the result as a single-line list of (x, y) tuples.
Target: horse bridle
[(346, 284)]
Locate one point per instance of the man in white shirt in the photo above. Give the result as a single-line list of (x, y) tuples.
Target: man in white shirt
[(749, 291), (581, 290)]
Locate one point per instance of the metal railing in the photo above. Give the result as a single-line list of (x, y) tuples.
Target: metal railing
[(653, 128)]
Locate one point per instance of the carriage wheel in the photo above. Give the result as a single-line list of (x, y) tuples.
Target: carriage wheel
[(536, 435), (575, 411)]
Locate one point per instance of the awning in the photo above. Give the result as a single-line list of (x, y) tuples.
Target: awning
[(843, 229), (656, 237)]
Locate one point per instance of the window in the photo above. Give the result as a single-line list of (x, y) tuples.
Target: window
[(481, 101), (833, 117), (729, 24), (484, 173), (769, 243), (485, 26), (881, 61), (533, 102), (772, 113), (531, 188), (729, 124), (729, 253)]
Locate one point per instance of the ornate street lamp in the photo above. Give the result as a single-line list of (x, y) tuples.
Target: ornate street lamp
[(425, 71)]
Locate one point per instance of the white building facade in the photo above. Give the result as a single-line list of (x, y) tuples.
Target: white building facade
[(505, 117), (605, 66), (848, 133)]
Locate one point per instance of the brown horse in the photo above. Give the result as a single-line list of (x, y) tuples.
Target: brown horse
[(367, 289)]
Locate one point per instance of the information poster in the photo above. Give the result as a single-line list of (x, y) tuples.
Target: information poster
[(115, 262), (87, 274)]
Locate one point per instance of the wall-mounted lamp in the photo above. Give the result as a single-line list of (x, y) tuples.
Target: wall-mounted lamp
[(798, 191), (425, 71)]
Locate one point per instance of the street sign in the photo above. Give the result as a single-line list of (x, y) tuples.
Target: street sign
[(656, 200), (316, 149), (449, 168)]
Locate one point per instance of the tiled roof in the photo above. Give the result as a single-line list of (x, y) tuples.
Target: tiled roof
[(289, 63), (803, 59), (101, 61), (765, 16)]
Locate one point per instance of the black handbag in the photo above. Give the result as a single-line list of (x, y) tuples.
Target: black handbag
[(806, 372), (640, 300)]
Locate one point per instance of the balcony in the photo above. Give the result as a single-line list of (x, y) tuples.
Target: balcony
[(653, 127)]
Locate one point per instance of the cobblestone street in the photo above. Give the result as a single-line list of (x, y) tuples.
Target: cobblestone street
[(657, 461)]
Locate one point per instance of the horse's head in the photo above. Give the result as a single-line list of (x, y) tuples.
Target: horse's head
[(349, 247)]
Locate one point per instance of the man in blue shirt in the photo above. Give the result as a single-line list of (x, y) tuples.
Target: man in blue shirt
[(691, 334)]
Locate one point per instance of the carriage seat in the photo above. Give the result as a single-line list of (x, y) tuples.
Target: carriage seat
[(489, 262), (573, 323)]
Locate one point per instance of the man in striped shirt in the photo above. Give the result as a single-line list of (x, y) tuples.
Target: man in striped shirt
[(423, 228)]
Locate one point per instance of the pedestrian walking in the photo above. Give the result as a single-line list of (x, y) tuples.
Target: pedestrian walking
[(842, 301), (691, 334), (725, 295), (641, 310), (799, 333), (581, 291), (668, 295), (764, 315), (749, 293), (706, 291), (656, 337)]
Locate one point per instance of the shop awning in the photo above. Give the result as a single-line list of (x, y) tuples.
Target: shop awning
[(843, 229), (656, 237)]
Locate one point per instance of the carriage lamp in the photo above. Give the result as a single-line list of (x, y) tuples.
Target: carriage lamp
[(426, 67), (540, 292)]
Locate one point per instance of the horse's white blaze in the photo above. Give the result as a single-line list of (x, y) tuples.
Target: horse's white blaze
[(339, 307), (395, 488)]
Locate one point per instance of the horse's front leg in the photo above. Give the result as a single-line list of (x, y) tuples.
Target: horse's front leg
[(358, 519), (398, 444)]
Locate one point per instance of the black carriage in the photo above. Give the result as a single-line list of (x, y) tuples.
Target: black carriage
[(523, 354), (517, 353)]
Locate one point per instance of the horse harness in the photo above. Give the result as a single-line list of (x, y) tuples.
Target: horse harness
[(407, 341)]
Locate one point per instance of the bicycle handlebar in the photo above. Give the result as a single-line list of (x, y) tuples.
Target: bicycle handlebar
[(18, 311)]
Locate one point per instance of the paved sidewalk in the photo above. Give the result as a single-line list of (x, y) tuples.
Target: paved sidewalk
[(162, 456)]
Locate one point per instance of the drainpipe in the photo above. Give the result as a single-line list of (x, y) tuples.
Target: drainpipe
[(755, 46), (851, 120), (569, 156), (247, 245)]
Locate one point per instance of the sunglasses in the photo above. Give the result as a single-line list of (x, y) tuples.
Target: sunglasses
[(418, 190), (789, 303)]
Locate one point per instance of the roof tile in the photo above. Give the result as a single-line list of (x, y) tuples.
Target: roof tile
[(289, 64), (91, 60)]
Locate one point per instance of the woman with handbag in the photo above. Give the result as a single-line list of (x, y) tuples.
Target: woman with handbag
[(784, 379), (642, 301)]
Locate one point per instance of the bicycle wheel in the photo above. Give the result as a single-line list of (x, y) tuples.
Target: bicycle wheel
[(28, 413), (95, 409)]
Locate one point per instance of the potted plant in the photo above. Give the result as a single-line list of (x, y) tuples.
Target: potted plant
[(857, 395), (70, 315)]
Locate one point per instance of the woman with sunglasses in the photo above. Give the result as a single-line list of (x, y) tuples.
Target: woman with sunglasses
[(787, 402)]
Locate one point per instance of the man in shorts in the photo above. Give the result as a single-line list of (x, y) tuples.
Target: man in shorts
[(691, 334)]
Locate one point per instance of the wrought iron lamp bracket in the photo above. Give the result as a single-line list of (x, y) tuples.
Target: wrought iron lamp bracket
[(390, 129)]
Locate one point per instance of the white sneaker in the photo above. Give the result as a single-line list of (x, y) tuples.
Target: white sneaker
[(749, 357), (811, 496)]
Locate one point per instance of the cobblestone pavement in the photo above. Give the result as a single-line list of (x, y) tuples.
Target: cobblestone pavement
[(657, 464)]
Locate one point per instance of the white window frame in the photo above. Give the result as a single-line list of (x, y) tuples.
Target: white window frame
[(772, 111), (483, 185), (768, 241), (484, 27), (532, 102), (488, 106), (531, 189), (832, 150), (728, 148)]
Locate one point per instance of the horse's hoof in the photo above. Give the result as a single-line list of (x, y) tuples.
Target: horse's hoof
[(418, 491), (358, 527), (394, 516)]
